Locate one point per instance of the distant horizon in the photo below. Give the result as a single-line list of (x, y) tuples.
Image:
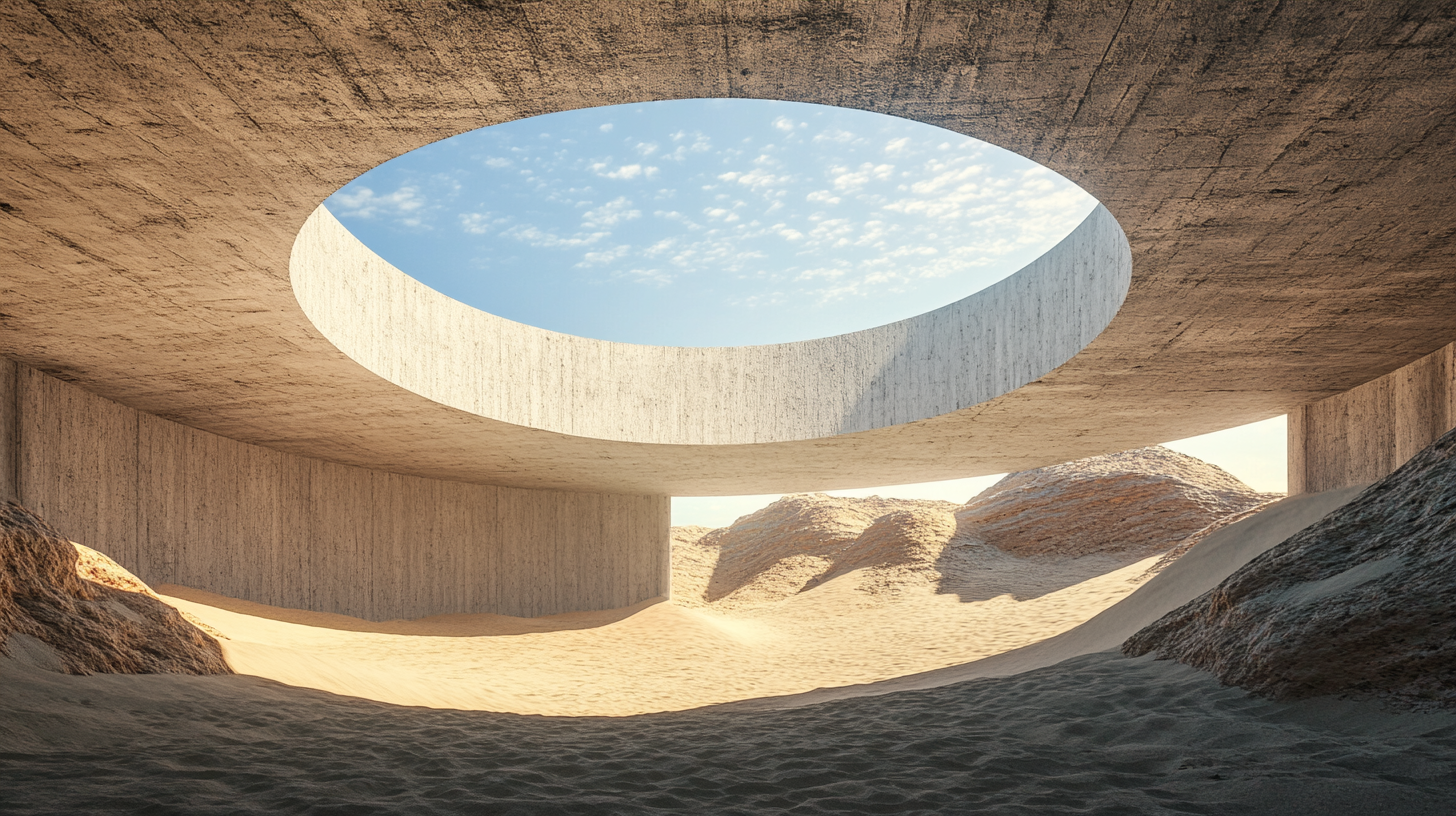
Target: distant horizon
[(1255, 454)]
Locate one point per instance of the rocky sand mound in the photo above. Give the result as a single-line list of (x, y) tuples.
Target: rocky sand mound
[(801, 541), (1139, 502), (1111, 510), (106, 622), (1363, 602)]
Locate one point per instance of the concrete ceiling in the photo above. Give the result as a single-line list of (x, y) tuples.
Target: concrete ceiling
[(1282, 171)]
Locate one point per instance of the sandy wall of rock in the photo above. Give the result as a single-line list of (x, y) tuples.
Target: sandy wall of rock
[(1362, 602), (1367, 432), (177, 505)]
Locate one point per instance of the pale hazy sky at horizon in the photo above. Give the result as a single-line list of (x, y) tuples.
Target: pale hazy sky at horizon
[(1253, 453)]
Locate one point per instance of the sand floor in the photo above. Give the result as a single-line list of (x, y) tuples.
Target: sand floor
[(848, 636), (1074, 728), (1099, 734), (661, 656)]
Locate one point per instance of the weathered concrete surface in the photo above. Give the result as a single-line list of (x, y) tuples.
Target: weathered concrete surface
[(1367, 432), (1278, 169), (1362, 602), (50, 616), (176, 505), (937, 363)]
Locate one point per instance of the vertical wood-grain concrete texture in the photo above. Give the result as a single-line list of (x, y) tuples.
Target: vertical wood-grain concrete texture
[(1367, 432), (9, 430), (178, 505), (955, 357)]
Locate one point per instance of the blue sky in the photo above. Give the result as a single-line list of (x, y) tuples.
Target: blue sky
[(730, 222), (710, 222)]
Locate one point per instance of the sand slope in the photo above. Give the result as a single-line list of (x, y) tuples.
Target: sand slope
[(73, 609), (1362, 602), (1215, 558), (1101, 734)]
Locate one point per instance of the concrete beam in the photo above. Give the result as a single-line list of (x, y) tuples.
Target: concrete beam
[(1278, 174), (1271, 172)]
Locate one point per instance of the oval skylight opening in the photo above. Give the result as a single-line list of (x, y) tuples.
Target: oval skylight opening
[(721, 222)]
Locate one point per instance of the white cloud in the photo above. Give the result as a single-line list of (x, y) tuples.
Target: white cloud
[(674, 215), (497, 162), (897, 146), (646, 148), (846, 179), (660, 247), (728, 216), (755, 179), (363, 202), (604, 256), (786, 124), (607, 128), (626, 172), (613, 212), (539, 238), (836, 136), (700, 144), (946, 178), (480, 223), (656, 276), (824, 196), (826, 272)]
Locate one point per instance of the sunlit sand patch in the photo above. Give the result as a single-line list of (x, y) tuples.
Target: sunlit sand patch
[(654, 657)]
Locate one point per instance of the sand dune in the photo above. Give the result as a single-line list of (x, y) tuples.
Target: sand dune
[(999, 615), (1360, 602), (1218, 555), (73, 609), (811, 593), (661, 656)]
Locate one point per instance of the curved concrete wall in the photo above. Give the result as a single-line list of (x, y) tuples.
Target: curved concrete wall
[(1367, 432), (177, 505), (149, 206), (965, 353)]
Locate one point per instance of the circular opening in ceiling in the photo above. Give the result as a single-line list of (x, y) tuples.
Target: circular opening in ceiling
[(721, 222)]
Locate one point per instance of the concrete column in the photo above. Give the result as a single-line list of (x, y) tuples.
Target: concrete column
[(1367, 432), (9, 430)]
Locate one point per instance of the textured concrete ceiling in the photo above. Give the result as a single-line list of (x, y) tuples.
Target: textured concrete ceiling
[(1282, 171)]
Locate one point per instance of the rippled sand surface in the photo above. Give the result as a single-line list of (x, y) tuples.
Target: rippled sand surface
[(1098, 734)]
